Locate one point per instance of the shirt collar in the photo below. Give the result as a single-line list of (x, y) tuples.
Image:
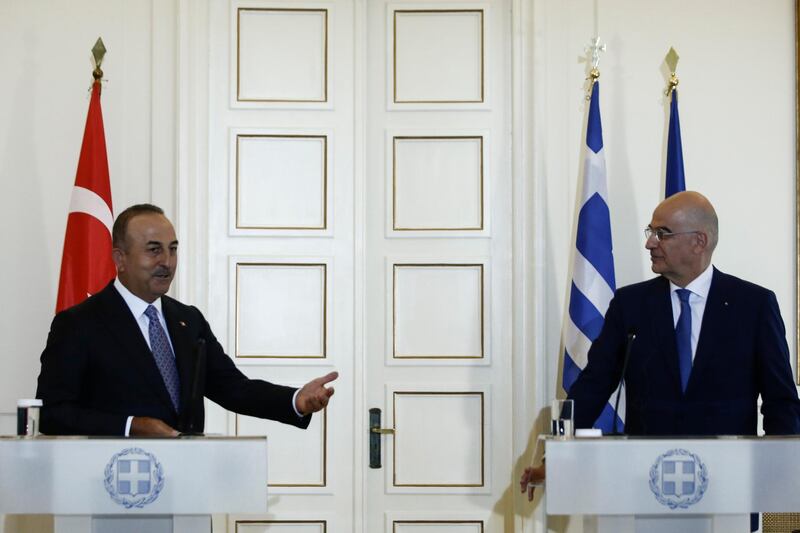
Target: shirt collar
[(135, 304), (699, 285)]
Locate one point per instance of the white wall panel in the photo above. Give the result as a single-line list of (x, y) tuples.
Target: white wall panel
[(281, 54), (437, 183), (439, 439), (438, 311), (280, 181), (280, 309), (280, 526), (297, 458), (437, 55), (434, 526)]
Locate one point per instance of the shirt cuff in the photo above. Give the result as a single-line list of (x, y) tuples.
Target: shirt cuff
[(128, 426), (294, 403)]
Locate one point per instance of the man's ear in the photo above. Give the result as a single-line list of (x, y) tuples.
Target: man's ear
[(702, 240), (119, 259)]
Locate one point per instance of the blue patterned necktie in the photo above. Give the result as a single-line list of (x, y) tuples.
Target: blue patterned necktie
[(683, 337), (165, 359)]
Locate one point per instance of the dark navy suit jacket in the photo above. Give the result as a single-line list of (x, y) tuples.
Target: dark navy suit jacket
[(741, 353), (97, 370)]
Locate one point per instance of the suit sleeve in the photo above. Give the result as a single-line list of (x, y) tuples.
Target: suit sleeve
[(230, 388), (61, 384), (600, 377), (780, 405)]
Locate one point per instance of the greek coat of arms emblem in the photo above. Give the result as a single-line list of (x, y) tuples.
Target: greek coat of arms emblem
[(133, 478), (678, 479)]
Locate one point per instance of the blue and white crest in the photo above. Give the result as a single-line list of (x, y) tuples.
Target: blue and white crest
[(678, 479), (134, 478)]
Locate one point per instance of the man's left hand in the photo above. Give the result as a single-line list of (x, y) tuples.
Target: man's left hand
[(315, 395)]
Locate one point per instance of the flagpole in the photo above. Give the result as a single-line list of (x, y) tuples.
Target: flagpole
[(675, 178)]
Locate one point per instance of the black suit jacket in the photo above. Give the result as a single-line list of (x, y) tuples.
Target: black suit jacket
[(97, 370), (741, 353)]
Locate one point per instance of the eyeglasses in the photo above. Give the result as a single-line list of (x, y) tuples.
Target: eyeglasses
[(661, 233)]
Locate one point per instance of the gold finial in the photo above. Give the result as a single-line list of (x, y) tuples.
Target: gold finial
[(99, 52), (672, 62), (594, 47)]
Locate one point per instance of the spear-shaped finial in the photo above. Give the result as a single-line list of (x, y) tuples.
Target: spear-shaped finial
[(99, 52), (672, 62), (594, 47)]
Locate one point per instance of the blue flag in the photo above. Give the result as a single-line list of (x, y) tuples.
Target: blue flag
[(676, 179), (593, 282)]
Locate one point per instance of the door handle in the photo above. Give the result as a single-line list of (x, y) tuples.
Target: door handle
[(375, 432)]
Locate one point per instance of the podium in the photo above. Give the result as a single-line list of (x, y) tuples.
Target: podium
[(626, 484), (116, 484)]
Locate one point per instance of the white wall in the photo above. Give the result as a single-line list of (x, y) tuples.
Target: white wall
[(46, 63)]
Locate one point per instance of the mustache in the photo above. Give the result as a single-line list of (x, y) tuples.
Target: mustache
[(162, 271)]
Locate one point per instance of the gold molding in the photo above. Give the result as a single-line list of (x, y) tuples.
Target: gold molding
[(324, 523), (394, 56), (395, 267), (395, 227), (324, 353), (324, 454), (396, 522), (324, 139), (439, 393), (238, 54)]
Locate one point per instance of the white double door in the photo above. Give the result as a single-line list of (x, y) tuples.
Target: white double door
[(359, 219)]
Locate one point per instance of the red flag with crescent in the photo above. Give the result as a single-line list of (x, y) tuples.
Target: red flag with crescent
[(86, 264)]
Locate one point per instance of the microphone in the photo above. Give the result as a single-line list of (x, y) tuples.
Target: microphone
[(628, 346), (196, 391)]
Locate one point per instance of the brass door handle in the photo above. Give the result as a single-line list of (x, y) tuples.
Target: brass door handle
[(375, 432)]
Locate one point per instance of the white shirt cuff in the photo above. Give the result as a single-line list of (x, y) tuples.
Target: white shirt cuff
[(294, 403), (128, 426)]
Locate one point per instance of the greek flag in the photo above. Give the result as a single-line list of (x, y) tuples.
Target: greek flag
[(676, 179), (593, 281)]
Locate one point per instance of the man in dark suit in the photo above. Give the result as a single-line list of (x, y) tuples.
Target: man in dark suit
[(706, 344), (123, 361)]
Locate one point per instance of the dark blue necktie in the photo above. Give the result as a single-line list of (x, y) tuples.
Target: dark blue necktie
[(683, 337), (165, 359)]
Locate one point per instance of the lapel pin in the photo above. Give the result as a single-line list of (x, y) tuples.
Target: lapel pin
[(182, 323), (725, 303)]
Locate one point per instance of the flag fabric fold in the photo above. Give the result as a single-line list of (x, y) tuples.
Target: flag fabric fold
[(676, 179), (593, 281), (86, 264)]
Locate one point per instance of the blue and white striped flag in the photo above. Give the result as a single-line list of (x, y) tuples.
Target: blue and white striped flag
[(676, 179), (593, 282)]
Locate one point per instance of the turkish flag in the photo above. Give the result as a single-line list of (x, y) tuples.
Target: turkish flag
[(86, 265)]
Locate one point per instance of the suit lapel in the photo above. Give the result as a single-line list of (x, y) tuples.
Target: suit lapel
[(713, 320), (123, 325), (663, 325)]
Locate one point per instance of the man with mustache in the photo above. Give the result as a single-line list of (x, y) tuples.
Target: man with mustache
[(707, 381), (121, 362)]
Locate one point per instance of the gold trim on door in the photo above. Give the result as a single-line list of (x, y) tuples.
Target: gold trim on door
[(395, 267), (324, 53), (324, 353), (438, 393), (395, 227), (394, 56), (324, 139), (324, 454), (396, 522), (323, 523)]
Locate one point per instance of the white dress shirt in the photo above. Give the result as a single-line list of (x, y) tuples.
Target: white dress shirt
[(699, 288)]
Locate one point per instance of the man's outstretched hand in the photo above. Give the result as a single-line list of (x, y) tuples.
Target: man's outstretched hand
[(314, 395), (144, 426), (532, 477)]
